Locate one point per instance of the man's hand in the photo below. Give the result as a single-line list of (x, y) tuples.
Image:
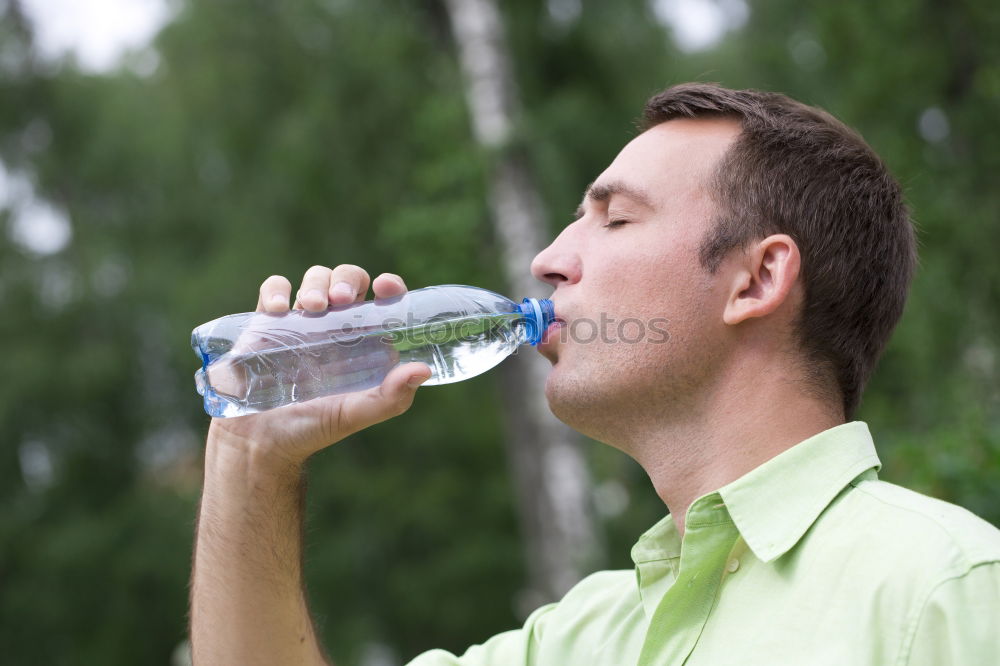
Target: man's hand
[(247, 602), (289, 435)]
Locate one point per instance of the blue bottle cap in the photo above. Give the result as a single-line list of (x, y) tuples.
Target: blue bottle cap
[(538, 314)]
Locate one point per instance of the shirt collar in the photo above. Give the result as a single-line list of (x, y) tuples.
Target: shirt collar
[(774, 504), (659, 542)]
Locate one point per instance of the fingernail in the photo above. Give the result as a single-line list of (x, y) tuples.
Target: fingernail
[(416, 381), (344, 288), (315, 295), (278, 299)]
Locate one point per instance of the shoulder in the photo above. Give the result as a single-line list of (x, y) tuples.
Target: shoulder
[(558, 624), (603, 580), (938, 538), (600, 589), (895, 560), (599, 601), (943, 580), (931, 522)]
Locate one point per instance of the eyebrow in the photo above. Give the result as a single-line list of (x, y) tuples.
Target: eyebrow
[(604, 191)]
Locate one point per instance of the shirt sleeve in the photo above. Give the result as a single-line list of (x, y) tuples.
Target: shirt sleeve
[(960, 622), (511, 648)]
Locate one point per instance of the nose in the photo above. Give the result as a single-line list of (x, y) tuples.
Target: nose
[(559, 263)]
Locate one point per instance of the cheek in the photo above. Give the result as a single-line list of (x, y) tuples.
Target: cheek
[(649, 281), (673, 306), (639, 282)]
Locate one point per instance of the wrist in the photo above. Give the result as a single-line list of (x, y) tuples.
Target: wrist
[(236, 455)]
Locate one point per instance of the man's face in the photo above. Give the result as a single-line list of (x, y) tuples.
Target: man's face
[(642, 318)]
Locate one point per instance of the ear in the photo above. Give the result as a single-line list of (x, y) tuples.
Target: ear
[(763, 279)]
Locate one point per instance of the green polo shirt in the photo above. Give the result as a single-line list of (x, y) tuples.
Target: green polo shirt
[(807, 559)]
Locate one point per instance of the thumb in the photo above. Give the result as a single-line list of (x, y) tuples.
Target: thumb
[(393, 397)]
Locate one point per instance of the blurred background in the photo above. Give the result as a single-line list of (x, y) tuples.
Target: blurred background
[(159, 159)]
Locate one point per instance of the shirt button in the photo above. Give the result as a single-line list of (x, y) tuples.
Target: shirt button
[(733, 565)]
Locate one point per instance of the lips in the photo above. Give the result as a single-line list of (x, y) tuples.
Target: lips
[(551, 335)]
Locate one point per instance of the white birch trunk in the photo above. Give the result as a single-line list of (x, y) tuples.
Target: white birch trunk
[(549, 471)]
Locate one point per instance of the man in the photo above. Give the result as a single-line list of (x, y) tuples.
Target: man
[(779, 248)]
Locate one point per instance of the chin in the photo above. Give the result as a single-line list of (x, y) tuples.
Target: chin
[(575, 402)]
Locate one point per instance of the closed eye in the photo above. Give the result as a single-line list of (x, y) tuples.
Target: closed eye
[(614, 224)]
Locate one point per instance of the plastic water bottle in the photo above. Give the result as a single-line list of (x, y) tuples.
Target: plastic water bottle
[(253, 362)]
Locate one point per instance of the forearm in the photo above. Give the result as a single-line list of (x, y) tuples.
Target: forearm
[(247, 600)]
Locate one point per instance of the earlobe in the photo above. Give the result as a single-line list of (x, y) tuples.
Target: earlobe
[(768, 271)]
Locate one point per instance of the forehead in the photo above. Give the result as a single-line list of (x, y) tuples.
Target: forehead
[(671, 159)]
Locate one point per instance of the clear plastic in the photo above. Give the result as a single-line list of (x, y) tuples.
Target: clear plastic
[(253, 362)]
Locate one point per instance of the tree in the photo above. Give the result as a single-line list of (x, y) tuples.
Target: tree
[(547, 466)]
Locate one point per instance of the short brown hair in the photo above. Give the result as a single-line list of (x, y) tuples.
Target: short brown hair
[(797, 170)]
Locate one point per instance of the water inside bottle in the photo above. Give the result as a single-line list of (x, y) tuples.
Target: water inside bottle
[(262, 372)]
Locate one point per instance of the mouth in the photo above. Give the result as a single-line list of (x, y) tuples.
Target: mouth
[(550, 337)]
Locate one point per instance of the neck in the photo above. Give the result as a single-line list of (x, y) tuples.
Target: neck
[(735, 428)]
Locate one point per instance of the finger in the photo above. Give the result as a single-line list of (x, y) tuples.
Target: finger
[(348, 283), (312, 295), (388, 285), (393, 397), (274, 294)]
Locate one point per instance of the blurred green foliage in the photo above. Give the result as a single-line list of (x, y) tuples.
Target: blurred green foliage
[(274, 136)]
